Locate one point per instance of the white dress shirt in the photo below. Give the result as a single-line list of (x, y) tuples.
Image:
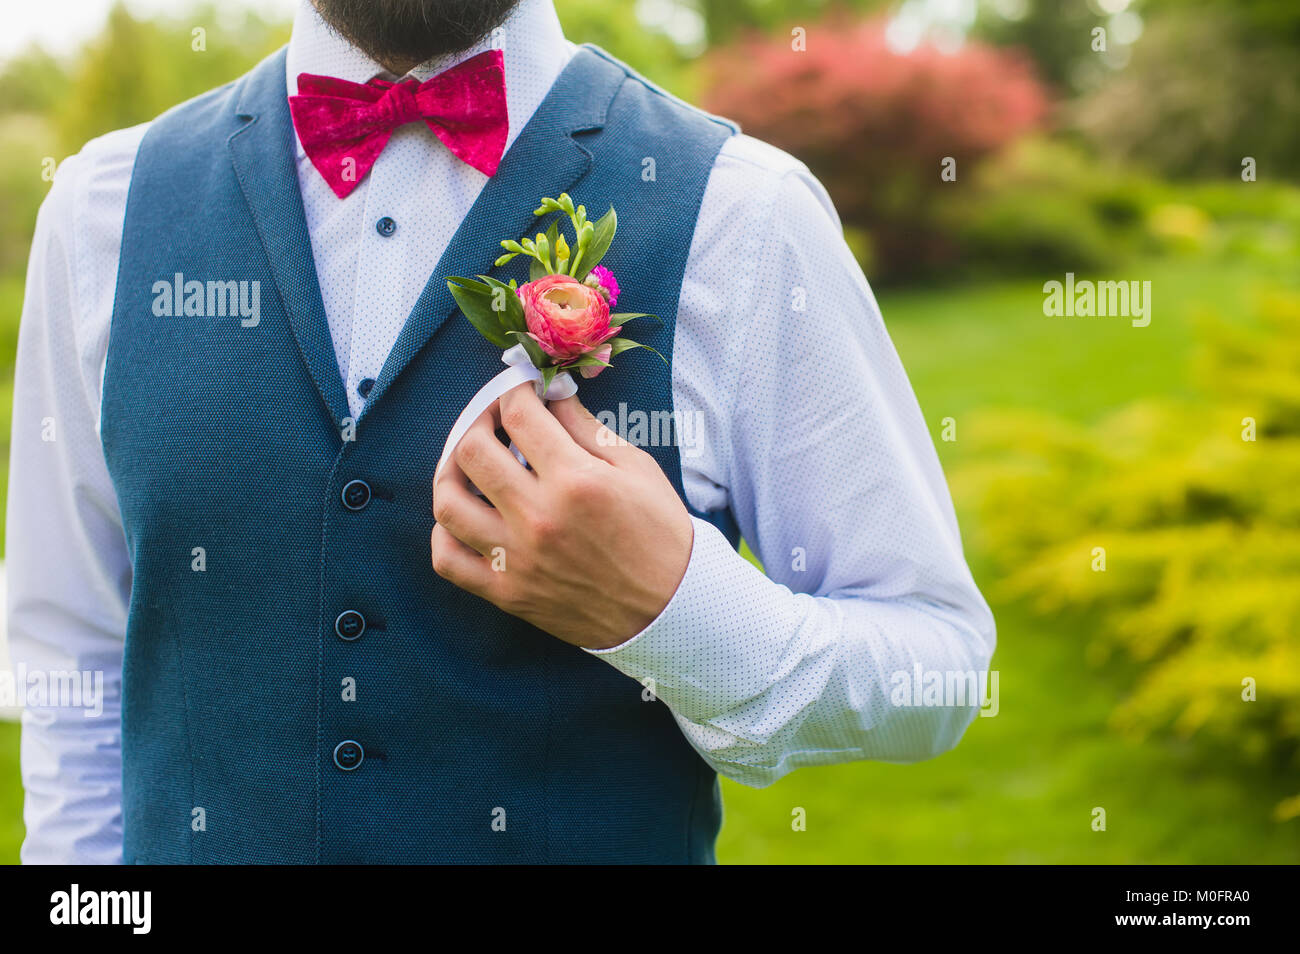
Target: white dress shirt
[(805, 426)]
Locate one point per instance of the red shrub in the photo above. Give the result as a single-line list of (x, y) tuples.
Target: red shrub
[(875, 125)]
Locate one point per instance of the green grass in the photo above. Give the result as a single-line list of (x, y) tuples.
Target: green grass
[(1022, 786), (11, 299), (989, 346), (11, 795)]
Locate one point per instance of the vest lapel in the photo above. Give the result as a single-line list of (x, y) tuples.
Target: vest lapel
[(263, 151), (544, 160)]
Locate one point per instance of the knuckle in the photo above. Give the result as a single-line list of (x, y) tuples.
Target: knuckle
[(441, 555), (444, 511), (645, 460), (581, 484), (541, 527), (470, 450), (513, 417), (637, 456)]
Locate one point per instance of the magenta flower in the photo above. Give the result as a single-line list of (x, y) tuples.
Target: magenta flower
[(603, 280)]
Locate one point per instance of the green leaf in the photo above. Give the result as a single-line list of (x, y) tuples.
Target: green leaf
[(622, 317), (513, 316), (548, 375), (475, 301), (600, 242), (619, 345), (587, 361), (536, 270)]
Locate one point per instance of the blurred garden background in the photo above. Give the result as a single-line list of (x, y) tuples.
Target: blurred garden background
[(1129, 496)]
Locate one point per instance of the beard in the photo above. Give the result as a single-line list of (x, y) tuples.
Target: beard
[(408, 32)]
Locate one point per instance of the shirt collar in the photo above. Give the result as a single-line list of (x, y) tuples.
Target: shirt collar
[(531, 37)]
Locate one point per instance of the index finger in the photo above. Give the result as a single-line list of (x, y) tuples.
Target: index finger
[(538, 435)]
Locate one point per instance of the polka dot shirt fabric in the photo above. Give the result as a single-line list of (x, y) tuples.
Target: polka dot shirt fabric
[(796, 414)]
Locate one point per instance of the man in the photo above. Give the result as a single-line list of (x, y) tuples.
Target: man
[(227, 510)]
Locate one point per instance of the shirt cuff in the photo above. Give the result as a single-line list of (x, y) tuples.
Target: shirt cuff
[(706, 651)]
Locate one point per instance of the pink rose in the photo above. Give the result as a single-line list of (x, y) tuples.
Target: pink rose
[(567, 319)]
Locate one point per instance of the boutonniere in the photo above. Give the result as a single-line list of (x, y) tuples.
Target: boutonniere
[(560, 321), (563, 318)]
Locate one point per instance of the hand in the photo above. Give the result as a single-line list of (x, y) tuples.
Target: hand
[(589, 545)]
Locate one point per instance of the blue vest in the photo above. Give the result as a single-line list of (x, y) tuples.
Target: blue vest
[(275, 559)]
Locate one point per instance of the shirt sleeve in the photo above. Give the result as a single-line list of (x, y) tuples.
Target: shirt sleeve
[(69, 574), (810, 432)]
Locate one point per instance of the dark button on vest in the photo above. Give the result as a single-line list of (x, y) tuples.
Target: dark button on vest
[(356, 494), (350, 625), (349, 755)]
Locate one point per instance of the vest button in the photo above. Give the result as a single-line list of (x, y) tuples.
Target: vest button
[(350, 625), (349, 755), (364, 386), (356, 494), (386, 226)]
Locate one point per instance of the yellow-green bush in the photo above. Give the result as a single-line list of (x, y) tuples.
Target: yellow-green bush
[(1177, 525)]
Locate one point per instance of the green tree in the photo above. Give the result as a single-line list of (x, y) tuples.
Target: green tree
[(1176, 527), (32, 82), (1203, 91), (725, 19), (1273, 19), (613, 25), (136, 69), (1056, 33)]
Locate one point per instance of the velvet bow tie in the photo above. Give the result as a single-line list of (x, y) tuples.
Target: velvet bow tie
[(344, 126)]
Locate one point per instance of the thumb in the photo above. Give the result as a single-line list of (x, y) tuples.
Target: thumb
[(587, 432)]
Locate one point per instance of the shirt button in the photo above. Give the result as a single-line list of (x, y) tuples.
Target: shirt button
[(356, 494), (386, 227), (349, 755), (350, 625), (364, 386)]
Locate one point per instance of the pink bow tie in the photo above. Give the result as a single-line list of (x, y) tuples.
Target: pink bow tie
[(344, 126)]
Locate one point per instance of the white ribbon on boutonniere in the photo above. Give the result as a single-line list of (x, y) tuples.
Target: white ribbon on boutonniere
[(521, 371), (557, 323)]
